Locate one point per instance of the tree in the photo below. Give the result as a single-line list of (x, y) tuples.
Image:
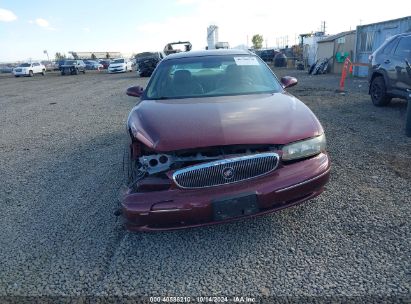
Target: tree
[(257, 41), (93, 56), (60, 56), (108, 55)]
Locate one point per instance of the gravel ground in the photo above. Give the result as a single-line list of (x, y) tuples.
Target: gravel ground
[(61, 148)]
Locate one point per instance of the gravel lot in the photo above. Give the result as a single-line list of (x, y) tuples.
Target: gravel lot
[(61, 148)]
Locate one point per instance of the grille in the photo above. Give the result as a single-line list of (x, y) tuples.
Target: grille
[(227, 171)]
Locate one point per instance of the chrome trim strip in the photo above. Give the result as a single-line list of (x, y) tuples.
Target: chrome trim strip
[(167, 210), (304, 182), (224, 162)]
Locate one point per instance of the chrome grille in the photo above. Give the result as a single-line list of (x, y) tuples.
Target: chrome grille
[(226, 171)]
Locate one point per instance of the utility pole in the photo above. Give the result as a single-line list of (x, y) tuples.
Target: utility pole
[(45, 52), (323, 27)]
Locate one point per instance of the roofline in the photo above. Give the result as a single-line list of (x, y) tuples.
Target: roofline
[(382, 22), (336, 36)]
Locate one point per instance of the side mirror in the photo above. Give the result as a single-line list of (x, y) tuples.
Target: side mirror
[(288, 81), (136, 91)]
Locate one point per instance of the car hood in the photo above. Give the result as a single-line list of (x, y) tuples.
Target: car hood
[(116, 65), (168, 125)]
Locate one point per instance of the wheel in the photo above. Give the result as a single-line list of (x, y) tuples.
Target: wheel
[(378, 92), (75, 72), (31, 73), (62, 73), (129, 166), (43, 72), (84, 71)]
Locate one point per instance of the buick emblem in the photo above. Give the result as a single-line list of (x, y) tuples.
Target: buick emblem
[(228, 173)]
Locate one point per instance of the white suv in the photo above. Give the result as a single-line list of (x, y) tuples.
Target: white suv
[(29, 69), (120, 65)]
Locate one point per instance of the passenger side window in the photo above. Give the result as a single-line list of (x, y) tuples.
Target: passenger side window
[(403, 49)]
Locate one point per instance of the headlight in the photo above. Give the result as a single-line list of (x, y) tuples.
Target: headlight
[(304, 148)]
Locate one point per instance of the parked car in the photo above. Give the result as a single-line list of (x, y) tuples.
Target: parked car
[(93, 65), (73, 67), (105, 63), (6, 68), (48, 65), (216, 138), (58, 64), (267, 55), (120, 65), (29, 69), (389, 74), (146, 62)]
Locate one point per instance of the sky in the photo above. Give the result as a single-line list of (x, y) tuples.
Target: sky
[(27, 28)]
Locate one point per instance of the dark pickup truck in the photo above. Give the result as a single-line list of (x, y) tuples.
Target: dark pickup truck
[(73, 67)]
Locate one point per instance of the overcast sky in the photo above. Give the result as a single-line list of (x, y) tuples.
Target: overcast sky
[(29, 27)]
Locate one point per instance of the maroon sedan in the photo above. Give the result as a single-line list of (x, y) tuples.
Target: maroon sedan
[(216, 138)]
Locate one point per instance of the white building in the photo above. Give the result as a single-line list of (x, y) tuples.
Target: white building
[(311, 47), (212, 36)]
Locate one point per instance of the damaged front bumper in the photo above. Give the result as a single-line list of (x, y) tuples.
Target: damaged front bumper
[(164, 208)]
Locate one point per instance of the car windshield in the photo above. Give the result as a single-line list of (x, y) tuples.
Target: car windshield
[(69, 62), (25, 65), (211, 76), (118, 61)]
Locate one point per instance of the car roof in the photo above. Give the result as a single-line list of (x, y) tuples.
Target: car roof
[(403, 34), (220, 52)]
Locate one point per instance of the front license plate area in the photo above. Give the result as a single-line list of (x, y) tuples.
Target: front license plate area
[(235, 206)]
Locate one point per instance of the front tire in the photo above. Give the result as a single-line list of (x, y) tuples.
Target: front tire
[(43, 72), (378, 92), (31, 73), (75, 72)]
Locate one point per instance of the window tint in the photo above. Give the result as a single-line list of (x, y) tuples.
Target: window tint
[(390, 45), (403, 49)]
